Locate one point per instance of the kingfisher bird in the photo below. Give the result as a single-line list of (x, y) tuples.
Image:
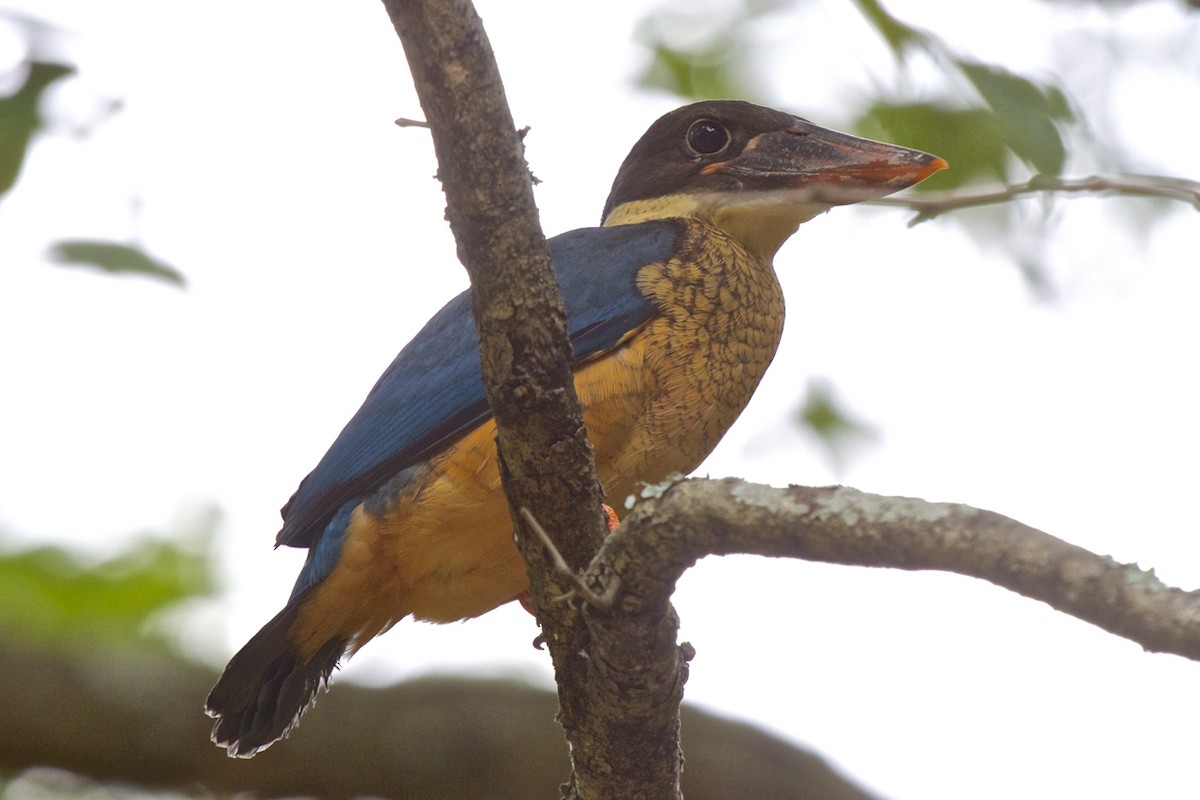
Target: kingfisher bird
[(674, 313)]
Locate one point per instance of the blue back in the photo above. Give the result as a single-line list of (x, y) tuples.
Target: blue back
[(432, 393)]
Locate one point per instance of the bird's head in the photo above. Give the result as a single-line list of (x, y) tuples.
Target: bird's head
[(754, 172)]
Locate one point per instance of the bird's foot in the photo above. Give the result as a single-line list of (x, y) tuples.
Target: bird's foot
[(611, 520)]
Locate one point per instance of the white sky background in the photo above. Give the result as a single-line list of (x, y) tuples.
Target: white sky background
[(257, 145)]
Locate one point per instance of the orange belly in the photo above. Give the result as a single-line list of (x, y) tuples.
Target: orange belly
[(442, 549)]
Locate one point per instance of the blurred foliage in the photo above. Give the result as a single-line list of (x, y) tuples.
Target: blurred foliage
[(968, 138), (824, 414), (21, 119), (1026, 113), (702, 53), (709, 53), (1021, 118), (114, 258), (24, 117), (1007, 114), (58, 595)]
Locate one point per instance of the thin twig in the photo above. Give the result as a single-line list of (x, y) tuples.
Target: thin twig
[(579, 587), (932, 204)]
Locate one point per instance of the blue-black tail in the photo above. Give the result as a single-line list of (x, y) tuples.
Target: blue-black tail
[(266, 688)]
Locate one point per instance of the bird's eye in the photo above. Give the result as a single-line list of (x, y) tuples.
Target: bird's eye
[(707, 137)]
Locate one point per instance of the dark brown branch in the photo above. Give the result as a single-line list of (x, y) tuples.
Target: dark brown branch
[(129, 716), (525, 352), (664, 536), (545, 455), (933, 204)]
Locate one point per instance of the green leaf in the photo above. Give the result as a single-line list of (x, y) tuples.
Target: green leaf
[(114, 258), (52, 593), (20, 117), (897, 34), (698, 74), (1026, 113), (970, 139)]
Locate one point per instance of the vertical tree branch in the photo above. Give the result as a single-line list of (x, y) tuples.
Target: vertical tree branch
[(545, 454)]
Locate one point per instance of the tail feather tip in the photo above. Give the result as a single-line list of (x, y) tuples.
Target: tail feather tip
[(260, 697)]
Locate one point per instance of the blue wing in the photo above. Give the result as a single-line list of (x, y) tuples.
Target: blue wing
[(432, 393)]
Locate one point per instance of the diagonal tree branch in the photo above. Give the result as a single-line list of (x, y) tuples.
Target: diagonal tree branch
[(639, 563), (545, 455)]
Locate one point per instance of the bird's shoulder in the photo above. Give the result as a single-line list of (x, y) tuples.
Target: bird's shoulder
[(432, 393)]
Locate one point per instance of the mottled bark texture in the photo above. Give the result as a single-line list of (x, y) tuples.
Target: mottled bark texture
[(636, 569), (621, 720)]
